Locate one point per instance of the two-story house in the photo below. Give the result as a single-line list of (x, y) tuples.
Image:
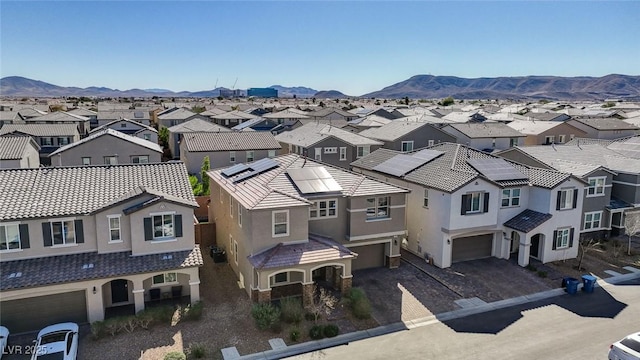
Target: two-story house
[(546, 132), (329, 113), (290, 221), (76, 242), (131, 127), (232, 118), (327, 143), (109, 147), (405, 135), (18, 151), (226, 148), (174, 116), (485, 136), (107, 116), (604, 128), (49, 137), (195, 125), (466, 204), (62, 117)]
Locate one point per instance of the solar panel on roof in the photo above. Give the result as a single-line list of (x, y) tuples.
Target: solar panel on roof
[(256, 168), (314, 179), (400, 164), (234, 170), (496, 169)]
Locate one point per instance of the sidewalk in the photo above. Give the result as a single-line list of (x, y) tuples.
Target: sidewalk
[(400, 326)]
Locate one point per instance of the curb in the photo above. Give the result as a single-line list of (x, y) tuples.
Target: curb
[(344, 339)]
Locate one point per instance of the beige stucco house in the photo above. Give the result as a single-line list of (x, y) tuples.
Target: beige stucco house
[(18, 151)]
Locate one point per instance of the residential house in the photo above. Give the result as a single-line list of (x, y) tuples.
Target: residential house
[(80, 242), (390, 114), (466, 204), (546, 116), (613, 181), (198, 124), (108, 147), (257, 124), (404, 135), (329, 113), (48, 136), (288, 222), (327, 143), (288, 115), (226, 148), (107, 116), (92, 115), (62, 117), (18, 151), (366, 122), (131, 127), (546, 132), (174, 116), (232, 118), (485, 136), (10, 117), (460, 117), (604, 128)]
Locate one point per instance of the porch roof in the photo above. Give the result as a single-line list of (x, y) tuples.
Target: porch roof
[(317, 249), (53, 270), (527, 220)]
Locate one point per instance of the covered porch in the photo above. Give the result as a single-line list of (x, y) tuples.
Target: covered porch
[(525, 236)]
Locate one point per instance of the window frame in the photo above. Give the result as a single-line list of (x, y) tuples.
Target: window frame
[(561, 139), (3, 230), (366, 149), (480, 198), (271, 154), (251, 154), (153, 226), (510, 197), (546, 139), (86, 163), (331, 150), (316, 206), (273, 223), (343, 153), (286, 280), (119, 229), (164, 278), (239, 214), (431, 142), (146, 137), (592, 221), (595, 187), (407, 142), (568, 199), (63, 140), (230, 205), (107, 160), (232, 157), (63, 233), (377, 207), (235, 251), (425, 198), (46, 141), (136, 159), (560, 238)]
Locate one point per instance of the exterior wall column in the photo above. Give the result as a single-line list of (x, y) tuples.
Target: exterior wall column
[(95, 304), (138, 295), (307, 294), (524, 251), (194, 288), (346, 283)]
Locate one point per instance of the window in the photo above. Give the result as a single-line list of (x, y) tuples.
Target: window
[(282, 277), (235, 252), (63, 232), (596, 186), (162, 226), (476, 202), (165, 278), (123, 125), (323, 209), (232, 156), (330, 150), (493, 142), (86, 161), (9, 237), (146, 137), (114, 229), (343, 153), (431, 142), (318, 154), (110, 160), (571, 136), (250, 155), (230, 205), (378, 208), (63, 141), (140, 159), (221, 194), (280, 221), (425, 200), (239, 214), (362, 151), (47, 141), (407, 145), (510, 197), (592, 220), (272, 153), (548, 140), (567, 199), (562, 238), (513, 142), (561, 139)]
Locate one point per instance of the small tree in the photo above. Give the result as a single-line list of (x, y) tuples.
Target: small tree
[(322, 303), (585, 246), (631, 226), (163, 136), (447, 101), (206, 164)]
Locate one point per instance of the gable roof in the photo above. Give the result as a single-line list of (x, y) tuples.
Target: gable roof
[(451, 171), (233, 115), (604, 124), (177, 114), (527, 220), (41, 130), (286, 114), (78, 190), (312, 133), (83, 112), (323, 112), (114, 133), (485, 130), (393, 130), (59, 116), (143, 126), (275, 189), (528, 127), (197, 125), (13, 147), (136, 114), (230, 141)]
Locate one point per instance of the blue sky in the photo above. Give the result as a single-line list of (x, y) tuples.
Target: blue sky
[(352, 46)]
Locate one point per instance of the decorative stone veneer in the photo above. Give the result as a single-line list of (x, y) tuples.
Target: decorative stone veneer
[(393, 261)]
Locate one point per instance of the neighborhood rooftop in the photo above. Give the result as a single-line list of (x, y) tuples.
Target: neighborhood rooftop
[(230, 141), (312, 133), (115, 133), (13, 147), (41, 130)]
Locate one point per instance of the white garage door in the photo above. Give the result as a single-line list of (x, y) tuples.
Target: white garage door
[(471, 247)]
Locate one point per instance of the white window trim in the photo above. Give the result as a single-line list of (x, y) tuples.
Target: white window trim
[(230, 205), (425, 198), (366, 149), (480, 202), (406, 142), (232, 157), (431, 143), (273, 223), (378, 218), (592, 213), (568, 191), (65, 244), (239, 214), (231, 243), (343, 154), (317, 209), (163, 238), (550, 137), (109, 217), (253, 155), (560, 233), (281, 282), (164, 282), (317, 154), (510, 198), (19, 239), (272, 153), (134, 157), (86, 157), (595, 187), (235, 252), (331, 150)]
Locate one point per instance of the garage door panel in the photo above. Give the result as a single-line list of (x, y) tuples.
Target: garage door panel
[(471, 247), (369, 256), (31, 314)]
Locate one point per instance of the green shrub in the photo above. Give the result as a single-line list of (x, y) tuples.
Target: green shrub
[(98, 330), (309, 317), (265, 315), (331, 330), (175, 355), (531, 267), (294, 335), (316, 332), (291, 309), (145, 319), (542, 274), (359, 303), (112, 325), (193, 311), (197, 350), (162, 314)]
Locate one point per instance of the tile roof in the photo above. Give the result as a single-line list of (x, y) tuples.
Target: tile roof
[(233, 115), (323, 112), (178, 114), (13, 147), (393, 130), (544, 116), (527, 220), (9, 116), (370, 121), (59, 116), (41, 130), (197, 125), (629, 147), (485, 130), (616, 203), (230, 141), (115, 134), (143, 126), (83, 112), (274, 188), (529, 127), (286, 114), (136, 114), (451, 170), (62, 191), (606, 123), (317, 249), (89, 266), (312, 133)]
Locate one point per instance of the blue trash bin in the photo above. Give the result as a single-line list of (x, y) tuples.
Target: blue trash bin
[(572, 285), (588, 282)]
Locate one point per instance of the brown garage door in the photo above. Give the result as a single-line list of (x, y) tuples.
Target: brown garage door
[(369, 256), (32, 314), (471, 247)]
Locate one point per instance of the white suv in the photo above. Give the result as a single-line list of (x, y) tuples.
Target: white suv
[(626, 349)]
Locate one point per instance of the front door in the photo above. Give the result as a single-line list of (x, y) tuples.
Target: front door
[(119, 291), (535, 246)]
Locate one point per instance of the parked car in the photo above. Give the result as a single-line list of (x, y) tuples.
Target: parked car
[(4, 337), (59, 341), (626, 349)]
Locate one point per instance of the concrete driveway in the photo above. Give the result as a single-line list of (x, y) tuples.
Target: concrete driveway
[(417, 289)]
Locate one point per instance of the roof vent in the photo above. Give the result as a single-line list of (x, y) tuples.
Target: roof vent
[(87, 266), (167, 257), (15, 275)]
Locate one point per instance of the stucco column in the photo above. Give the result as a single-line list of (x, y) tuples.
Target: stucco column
[(523, 251), (138, 295), (194, 287), (95, 304)]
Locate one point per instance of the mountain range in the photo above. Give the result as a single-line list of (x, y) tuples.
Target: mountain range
[(416, 87)]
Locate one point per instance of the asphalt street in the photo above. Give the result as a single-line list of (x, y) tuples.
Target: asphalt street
[(580, 326)]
